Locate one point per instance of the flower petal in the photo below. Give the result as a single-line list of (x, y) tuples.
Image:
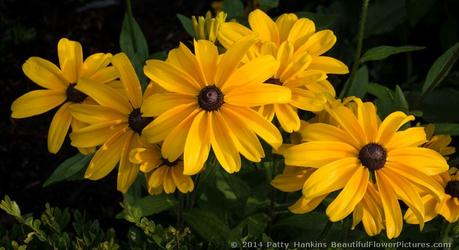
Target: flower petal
[(291, 182), (368, 119), (231, 32), (223, 145), (411, 137), (127, 171), (36, 102), (197, 144), (258, 94), (288, 117), (325, 132), (318, 43), (254, 72), (264, 26), (330, 177), (430, 203), (423, 159), (284, 24), (183, 59), (304, 205), (95, 135), (301, 31), (94, 63), (159, 103), (317, 153), (207, 56), (328, 64), (255, 122), (171, 78), (59, 128), (184, 183), (104, 95), (391, 207), (284, 57), (350, 196), (44, 73), (161, 126), (390, 125), (346, 118), (245, 140), (307, 100), (93, 114), (129, 79), (174, 143), (231, 60), (70, 58), (168, 182), (107, 156)]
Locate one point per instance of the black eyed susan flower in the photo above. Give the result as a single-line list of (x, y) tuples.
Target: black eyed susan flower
[(115, 124), (361, 151), (208, 104), (298, 49), (207, 27), (162, 175), (437, 142), (368, 211), (60, 88)]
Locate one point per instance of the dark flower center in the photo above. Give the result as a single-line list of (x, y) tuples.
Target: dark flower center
[(168, 163), (373, 156), (210, 98), (452, 188), (74, 95), (137, 122), (276, 81)]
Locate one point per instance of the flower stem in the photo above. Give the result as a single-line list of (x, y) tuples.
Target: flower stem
[(358, 50), (444, 234), (325, 231)]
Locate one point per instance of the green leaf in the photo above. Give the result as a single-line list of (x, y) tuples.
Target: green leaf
[(358, 86), (382, 52), (311, 223), (417, 9), (447, 129), (400, 102), (378, 13), (234, 8), (134, 44), (256, 224), (10, 207), (207, 225), (385, 98), (68, 168), (150, 205), (186, 24), (441, 106), (266, 5), (440, 69)]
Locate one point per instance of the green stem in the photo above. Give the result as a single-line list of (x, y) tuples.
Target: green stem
[(131, 25), (358, 51), (446, 228)]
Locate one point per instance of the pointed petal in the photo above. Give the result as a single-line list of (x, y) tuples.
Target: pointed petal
[(284, 24), (59, 128), (127, 172), (392, 212), (346, 118), (304, 205), (264, 26), (161, 126), (288, 117), (231, 32), (328, 64), (390, 125), (95, 135), (129, 79), (184, 183), (36, 102), (301, 31), (171, 78), (70, 58), (291, 182), (44, 73), (318, 43), (325, 132), (411, 137), (317, 153), (330, 177), (254, 72), (95, 63), (223, 145), (258, 94), (307, 100), (104, 95), (207, 56), (157, 104), (423, 159), (93, 114), (106, 158), (284, 57), (197, 144), (183, 59), (255, 122)]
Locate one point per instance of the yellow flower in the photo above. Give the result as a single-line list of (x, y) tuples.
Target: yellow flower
[(207, 27), (439, 143), (59, 84), (361, 152), (160, 173), (300, 32), (448, 206), (208, 104), (116, 124), (298, 49), (368, 210)]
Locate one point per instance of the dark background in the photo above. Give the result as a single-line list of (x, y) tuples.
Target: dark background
[(33, 28)]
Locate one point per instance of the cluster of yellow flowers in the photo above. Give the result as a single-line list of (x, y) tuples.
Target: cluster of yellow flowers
[(198, 100)]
